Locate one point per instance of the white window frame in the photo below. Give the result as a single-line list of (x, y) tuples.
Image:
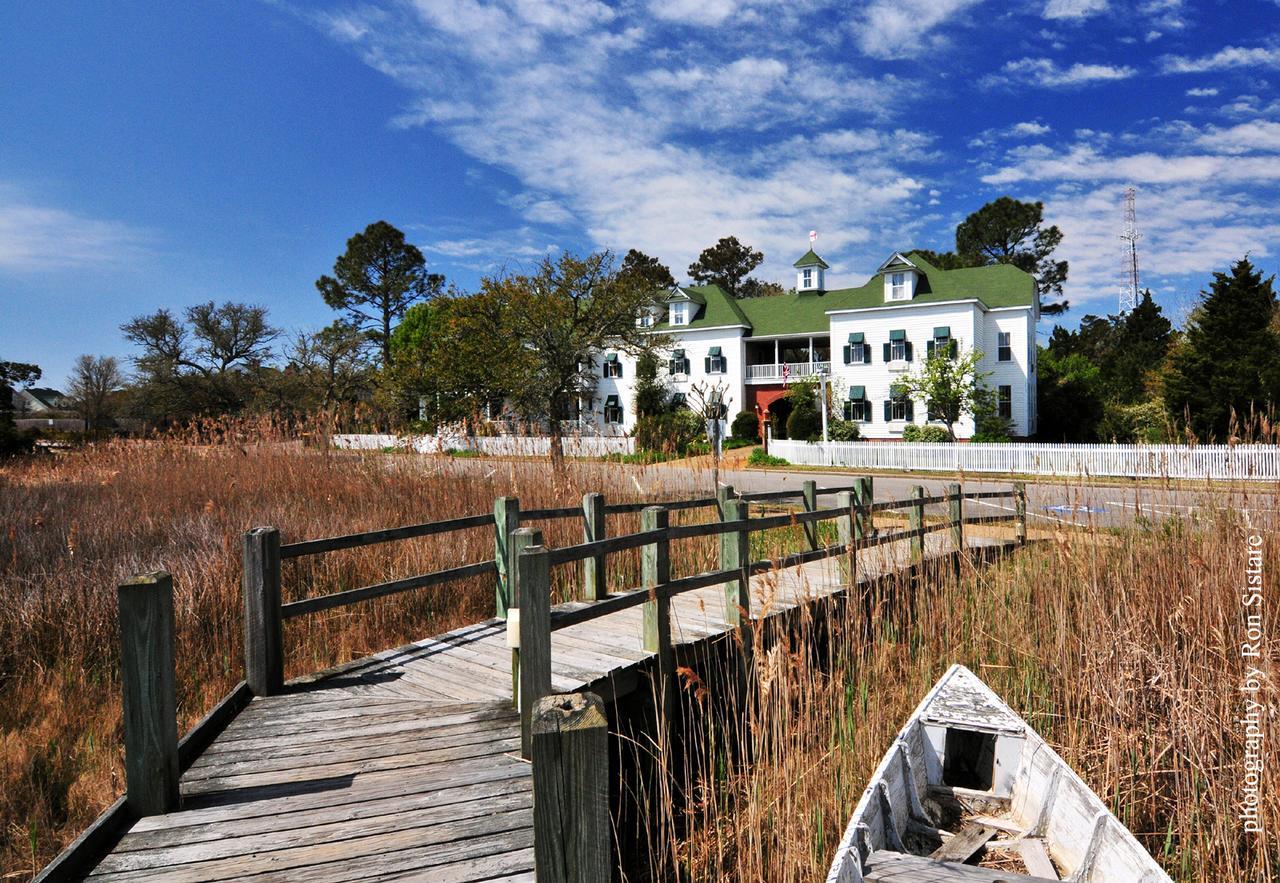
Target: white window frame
[(898, 408), (1003, 403), (897, 286), (717, 364), (808, 276), (1004, 341), (680, 313), (897, 351), (613, 411)]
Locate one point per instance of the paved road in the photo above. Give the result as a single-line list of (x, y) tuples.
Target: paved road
[(1048, 503)]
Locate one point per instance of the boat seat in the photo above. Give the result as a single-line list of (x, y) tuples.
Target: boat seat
[(886, 866)]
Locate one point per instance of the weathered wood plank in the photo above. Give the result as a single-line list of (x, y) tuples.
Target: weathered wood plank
[(1036, 858), (571, 789), (885, 866), (386, 535), (263, 623), (964, 844)]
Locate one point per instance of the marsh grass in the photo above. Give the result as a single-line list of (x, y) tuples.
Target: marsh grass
[(1121, 647), (77, 524)]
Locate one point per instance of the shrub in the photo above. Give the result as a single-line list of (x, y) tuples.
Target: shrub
[(928, 433), (760, 458), (670, 433), (911, 433), (804, 423), (746, 426), (843, 430)]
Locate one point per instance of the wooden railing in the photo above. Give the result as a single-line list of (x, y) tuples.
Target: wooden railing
[(522, 565)]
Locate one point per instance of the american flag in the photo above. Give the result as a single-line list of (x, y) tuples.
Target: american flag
[(786, 372)]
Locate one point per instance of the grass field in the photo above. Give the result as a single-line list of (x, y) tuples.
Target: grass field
[(1121, 648)]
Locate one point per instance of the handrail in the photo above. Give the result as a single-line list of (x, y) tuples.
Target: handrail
[(990, 519), (372, 537), (351, 596)]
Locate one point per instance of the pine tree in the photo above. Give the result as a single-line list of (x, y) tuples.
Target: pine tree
[(1142, 341), (1230, 359)]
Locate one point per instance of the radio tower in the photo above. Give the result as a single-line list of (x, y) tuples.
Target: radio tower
[(1129, 293)]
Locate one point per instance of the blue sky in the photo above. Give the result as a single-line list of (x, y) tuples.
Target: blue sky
[(162, 154)]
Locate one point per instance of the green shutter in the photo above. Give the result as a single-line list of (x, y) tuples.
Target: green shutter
[(855, 337), (898, 335), (888, 353), (866, 355), (911, 410), (848, 354), (907, 347), (888, 410), (929, 349)]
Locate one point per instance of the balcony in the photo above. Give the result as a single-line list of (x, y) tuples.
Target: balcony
[(793, 370)]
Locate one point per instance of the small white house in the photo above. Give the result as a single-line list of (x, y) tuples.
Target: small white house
[(862, 339)]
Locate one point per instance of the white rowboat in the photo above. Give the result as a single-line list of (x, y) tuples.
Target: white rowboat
[(969, 793)]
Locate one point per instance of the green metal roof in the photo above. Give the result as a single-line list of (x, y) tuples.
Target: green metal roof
[(1000, 285), (810, 259)]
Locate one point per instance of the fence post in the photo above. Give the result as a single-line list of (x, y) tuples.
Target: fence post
[(735, 554), (955, 513), (809, 496), (150, 700), (1020, 507), (263, 622), (916, 522), (848, 535), (724, 493), (864, 495), (535, 637), (571, 829), (595, 578), (519, 540), (506, 520), (655, 570)]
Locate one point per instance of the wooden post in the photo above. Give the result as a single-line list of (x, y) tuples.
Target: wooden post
[(735, 554), (595, 580), (535, 637), (571, 831), (724, 493), (655, 569), (955, 513), (506, 520), (1020, 506), (848, 528), (916, 522), (263, 622), (150, 696), (864, 496), (809, 494), (520, 539)]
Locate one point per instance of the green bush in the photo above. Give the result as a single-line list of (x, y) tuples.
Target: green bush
[(745, 426), (670, 433), (929, 433), (640, 458), (805, 421), (843, 430), (760, 458)]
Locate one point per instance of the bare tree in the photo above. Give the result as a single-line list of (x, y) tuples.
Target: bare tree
[(94, 382), (336, 362), (707, 401)]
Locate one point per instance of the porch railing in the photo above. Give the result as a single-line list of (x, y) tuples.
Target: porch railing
[(794, 370)]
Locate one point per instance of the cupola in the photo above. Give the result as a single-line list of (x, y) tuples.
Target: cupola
[(810, 271)]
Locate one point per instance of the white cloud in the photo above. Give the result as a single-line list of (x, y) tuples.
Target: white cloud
[(36, 238), (696, 12), (1258, 135), (1074, 9), (1204, 198), (606, 130), (1202, 92), (1226, 58), (1152, 36), (1030, 129), (899, 28), (1045, 72)]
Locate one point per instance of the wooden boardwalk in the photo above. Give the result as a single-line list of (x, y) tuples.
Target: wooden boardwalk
[(406, 764)]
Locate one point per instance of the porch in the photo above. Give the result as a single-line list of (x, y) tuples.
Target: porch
[(785, 359)]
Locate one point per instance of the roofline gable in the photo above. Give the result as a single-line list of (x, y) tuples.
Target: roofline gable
[(898, 258)]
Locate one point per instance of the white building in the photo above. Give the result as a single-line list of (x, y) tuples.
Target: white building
[(864, 339)]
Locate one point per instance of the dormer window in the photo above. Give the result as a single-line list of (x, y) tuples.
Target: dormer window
[(680, 313), (899, 286)]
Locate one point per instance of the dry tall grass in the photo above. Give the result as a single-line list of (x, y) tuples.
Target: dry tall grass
[(1120, 647), (78, 524)]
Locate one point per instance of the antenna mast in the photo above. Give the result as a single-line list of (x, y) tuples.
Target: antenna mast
[(1130, 235)]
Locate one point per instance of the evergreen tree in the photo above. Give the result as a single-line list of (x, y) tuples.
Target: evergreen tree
[(651, 394), (648, 271), (1229, 361), (727, 264), (1142, 337)]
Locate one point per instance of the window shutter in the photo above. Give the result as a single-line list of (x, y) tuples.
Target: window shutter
[(706, 364), (888, 410), (848, 354), (911, 410), (866, 354), (954, 347), (929, 350), (888, 355), (907, 347)]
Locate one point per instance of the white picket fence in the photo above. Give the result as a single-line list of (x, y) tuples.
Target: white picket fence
[(1139, 461), (494, 446)]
